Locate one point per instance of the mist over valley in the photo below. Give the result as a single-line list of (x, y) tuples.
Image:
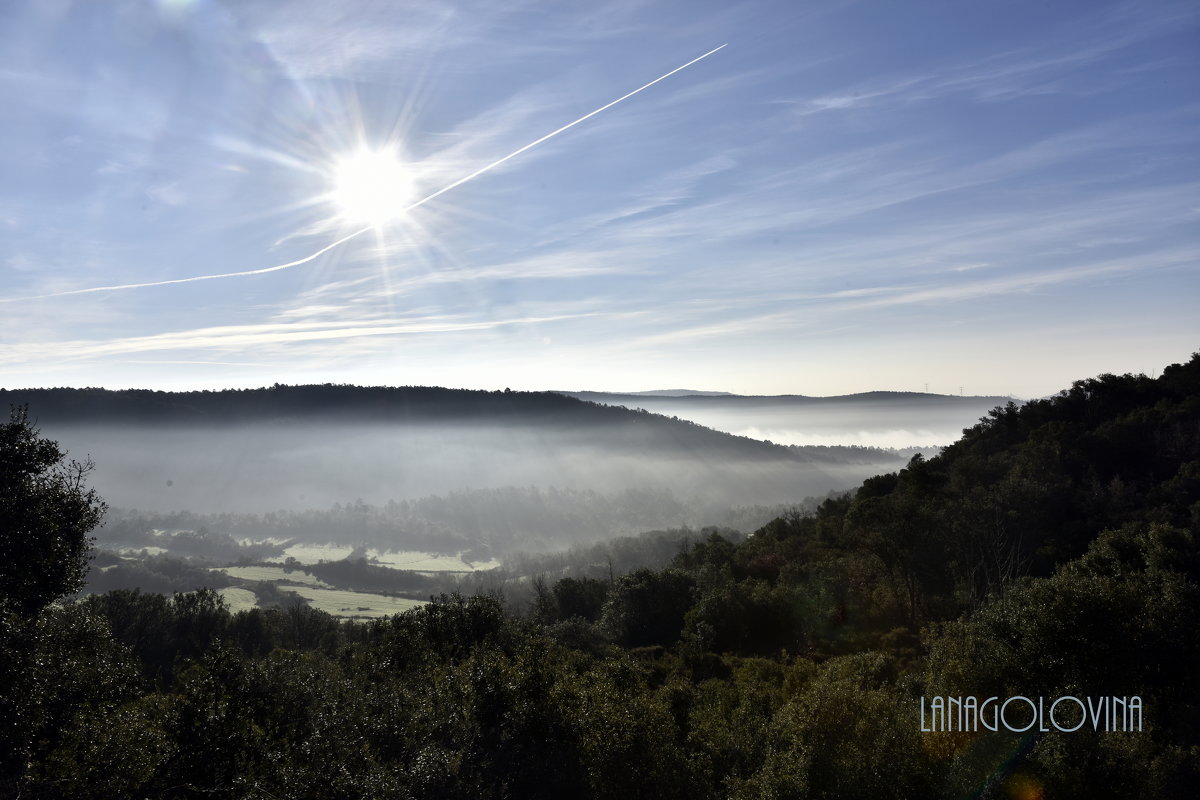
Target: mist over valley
[(870, 419), (353, 499), (296, 448)]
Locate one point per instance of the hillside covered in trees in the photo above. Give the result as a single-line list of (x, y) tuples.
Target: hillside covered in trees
[(295, 448), (1051, 551), (400, 405)]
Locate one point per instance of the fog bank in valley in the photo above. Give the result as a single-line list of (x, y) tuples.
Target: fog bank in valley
[(435, 469), (872, 419), (259, 468)]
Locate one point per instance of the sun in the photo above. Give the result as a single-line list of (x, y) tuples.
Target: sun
[(372, 187)]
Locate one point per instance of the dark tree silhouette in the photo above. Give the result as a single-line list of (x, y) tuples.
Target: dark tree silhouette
[(46, 514)]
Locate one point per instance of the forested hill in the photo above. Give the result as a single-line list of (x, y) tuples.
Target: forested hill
[(1026, 490), (298, 447), (1051, 474), (330, 404), (279, 402)]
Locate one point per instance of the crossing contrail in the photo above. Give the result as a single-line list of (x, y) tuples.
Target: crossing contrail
[(361, 231)]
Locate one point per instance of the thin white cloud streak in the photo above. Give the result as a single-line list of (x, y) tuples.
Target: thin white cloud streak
[(666, 192), (810, 196), (376, 305), (338, 299), (239, 337), (1025, 282), (257, 364), (1066, 232), (1007, 75), (195, 278), (564, 128), (759, 323), (317, 40), (759, 314), (241, 147), (324, 40), (568, 265), (357, 233)]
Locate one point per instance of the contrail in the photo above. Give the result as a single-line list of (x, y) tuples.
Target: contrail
[(361, 231), (552, 134), (195, 278)]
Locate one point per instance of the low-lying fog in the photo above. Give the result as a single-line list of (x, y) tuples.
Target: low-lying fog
[(895, 420), (259, 468)]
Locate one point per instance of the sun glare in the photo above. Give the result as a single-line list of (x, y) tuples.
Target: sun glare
[(372, 187)]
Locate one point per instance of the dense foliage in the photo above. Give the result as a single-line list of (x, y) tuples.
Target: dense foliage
[(46, 516), (1051, 550)]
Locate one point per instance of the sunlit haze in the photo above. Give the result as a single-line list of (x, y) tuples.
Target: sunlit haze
[(955, 198)]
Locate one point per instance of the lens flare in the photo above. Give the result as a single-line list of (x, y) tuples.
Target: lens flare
[(372, 187), (1024, 787)]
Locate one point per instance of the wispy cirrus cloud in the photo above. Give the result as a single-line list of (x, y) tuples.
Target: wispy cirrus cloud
[(661, 193), (1025, 282), (314, 39), (1046, 68), (251, 338)]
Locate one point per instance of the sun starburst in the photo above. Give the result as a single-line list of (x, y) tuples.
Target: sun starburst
[(372, 187)]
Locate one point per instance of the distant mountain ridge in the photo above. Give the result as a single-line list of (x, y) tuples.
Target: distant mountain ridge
[(701, 398), (874, 419)]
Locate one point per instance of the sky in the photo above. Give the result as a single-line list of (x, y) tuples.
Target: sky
[(985, 197)]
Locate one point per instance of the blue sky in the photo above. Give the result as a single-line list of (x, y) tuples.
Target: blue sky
[(849, 196)]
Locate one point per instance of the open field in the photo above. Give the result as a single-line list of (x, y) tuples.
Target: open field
[(354, 605), (396, 559), (271, 574), (137, 551), (312, 553), (239, 599), (428, 562)]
